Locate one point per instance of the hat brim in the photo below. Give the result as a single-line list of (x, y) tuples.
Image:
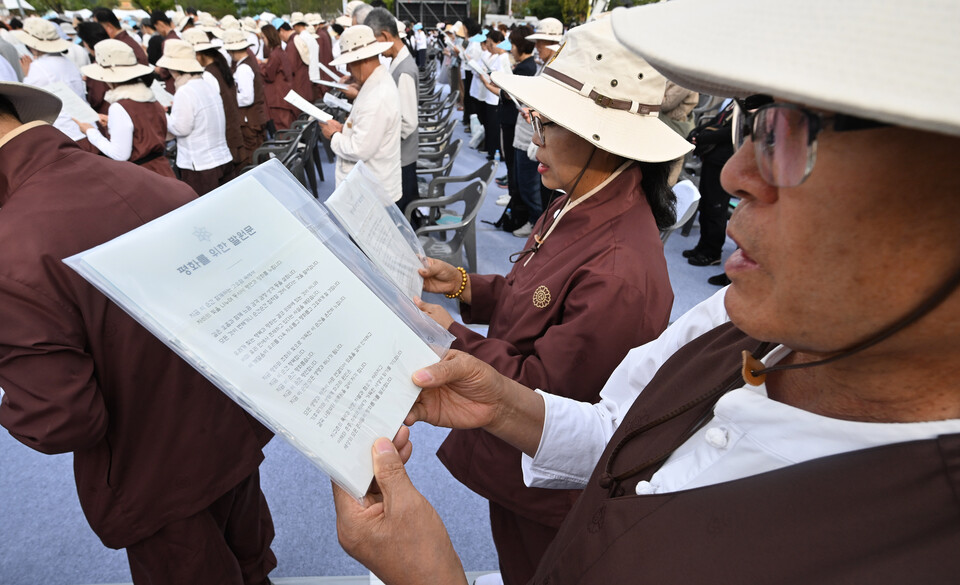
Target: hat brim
[(56, 46), (183, 65), (634, 136), (237, 46), (360, 54), (115, 74), (32, 103), (543, 37), (839, 56)]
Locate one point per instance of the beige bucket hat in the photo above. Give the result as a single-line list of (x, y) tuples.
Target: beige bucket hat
[(602, 92), (548, 29), (314, 19), (116, 63), (249, 24), (181, 21), (178, 55), (41, 34), (344, 21), (401, 29), (230, 22), (31, 103), (198, 39), (351, 6), (298, 18), (358, 42), (839, 56), (235, 40), (207, 22)]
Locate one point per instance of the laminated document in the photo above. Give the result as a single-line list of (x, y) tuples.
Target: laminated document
[(333, 84), (339, 103), (378, 227), (256, 287)]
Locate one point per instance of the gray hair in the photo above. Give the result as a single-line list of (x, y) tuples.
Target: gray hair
[(380, 20), (360, 13)]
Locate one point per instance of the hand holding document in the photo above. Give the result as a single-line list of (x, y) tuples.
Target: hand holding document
[(164, 97), (331, 84), (256, 287), (303, 105), (379, 228), (480, 69), (335, 102)]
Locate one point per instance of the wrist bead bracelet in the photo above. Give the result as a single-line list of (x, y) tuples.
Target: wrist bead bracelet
[(463, 284)]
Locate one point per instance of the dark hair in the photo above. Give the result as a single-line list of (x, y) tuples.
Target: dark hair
[(159, 16), (191, 10), (221, 63), (272, 38), (106, 16), (337, 28), (286, 26), (660, 196), (380, 20), (518, 38), (473, 27), (16, 24), (144, 79), (7, 109), (91, 33), (4, 26), (495, 36)]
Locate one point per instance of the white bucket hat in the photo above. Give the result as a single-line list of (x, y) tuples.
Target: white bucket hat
[(314, 19), (602, 92), (178, 55), (351, 6), (181, 21), (401, 29), (31, 103), (116, 63), (249, 24), (548, 29), (230, 22), (358, 42), (235, 40), (841, 56), (344, 21), (198, 39), (207, 22), (42, 35), (298, 18)]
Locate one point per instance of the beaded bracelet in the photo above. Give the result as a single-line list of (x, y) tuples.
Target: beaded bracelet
[(463, 284)]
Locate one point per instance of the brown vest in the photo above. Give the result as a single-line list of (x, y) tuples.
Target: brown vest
[(231, 112), (149, 136), (254, 115), (888, 514)]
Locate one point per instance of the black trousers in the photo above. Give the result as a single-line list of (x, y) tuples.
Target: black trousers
[(408, 180), (713, 211)]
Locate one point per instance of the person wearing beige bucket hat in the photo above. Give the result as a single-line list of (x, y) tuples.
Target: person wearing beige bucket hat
[(79, 376), (47, 65), (595, 256), (250, 92), (371, 132), (136, 123), (802, 424), (197, 120)]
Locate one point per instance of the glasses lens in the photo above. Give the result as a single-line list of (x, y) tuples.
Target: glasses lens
[(740, 126), (782, 144)]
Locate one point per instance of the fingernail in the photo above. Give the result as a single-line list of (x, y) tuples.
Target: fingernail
[(422, 377), (383, 445)]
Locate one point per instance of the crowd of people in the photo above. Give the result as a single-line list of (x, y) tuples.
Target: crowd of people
[(794, 427)]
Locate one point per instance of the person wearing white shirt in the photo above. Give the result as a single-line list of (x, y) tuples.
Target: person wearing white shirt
[(196, 119), (404, 72), (420, 42), (803, 425), (371, 132), (48, 66), (493, 58)]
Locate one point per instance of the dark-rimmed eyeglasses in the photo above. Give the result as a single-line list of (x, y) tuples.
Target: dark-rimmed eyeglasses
[(538, 126), (785, 136)]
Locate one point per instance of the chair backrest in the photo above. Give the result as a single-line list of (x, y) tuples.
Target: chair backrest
[(443, 159), (688, 198)]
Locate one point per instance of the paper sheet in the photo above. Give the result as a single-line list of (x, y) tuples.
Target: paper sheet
[(257, 302), (335, 102), (333, 74), (479, 68), (331, 84), (304, 106), (164, 97), (361, 211)]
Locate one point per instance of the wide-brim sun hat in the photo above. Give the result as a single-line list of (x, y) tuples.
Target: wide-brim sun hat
[(31, 103), (344, 21), (115, 63), (548, 29), (178, 55), (401, 29), (351, 6), (198, 39), (600, 91), (839, 56), (358, 42), (40, 34), (235, 40), (298, 18)]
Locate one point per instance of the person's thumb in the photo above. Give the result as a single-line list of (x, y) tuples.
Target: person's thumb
[(389, 471)]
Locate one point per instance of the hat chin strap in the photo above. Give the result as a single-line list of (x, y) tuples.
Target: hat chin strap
[(756, 376)]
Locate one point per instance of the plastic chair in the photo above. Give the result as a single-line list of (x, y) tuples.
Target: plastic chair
[(688, 198), (459, 230), (439, 164)]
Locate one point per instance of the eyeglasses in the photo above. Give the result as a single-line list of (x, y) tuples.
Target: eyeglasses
[(538, 126), (785, 136)]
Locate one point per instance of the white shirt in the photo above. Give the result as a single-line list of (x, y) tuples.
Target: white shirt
[(477, 89), (493, 62), (120, 126), (749, 433), (421, 39), (197, 120), (7, 72), (51, 68), (243, 77), (409, 112), (371, 133), (78, 55)]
